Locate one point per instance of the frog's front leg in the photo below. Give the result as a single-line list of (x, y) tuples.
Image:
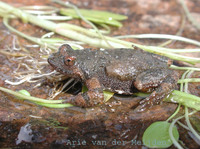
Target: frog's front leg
[(92, 97), (159, 82)]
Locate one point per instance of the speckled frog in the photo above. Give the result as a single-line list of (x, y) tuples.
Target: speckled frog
[(122, 71)]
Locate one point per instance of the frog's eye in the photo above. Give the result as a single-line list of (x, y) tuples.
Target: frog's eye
[(69, 61)]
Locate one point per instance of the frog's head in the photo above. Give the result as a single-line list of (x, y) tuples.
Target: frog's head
[(64, 61)]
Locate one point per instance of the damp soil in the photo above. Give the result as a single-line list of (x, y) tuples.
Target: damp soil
[(112, 125)]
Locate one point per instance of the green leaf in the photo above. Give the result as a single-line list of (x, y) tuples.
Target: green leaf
[(95, 14), (103, 21), (157, 135), (185, 99), (24, 92), (84, 89), (107, 95), (99, 17)]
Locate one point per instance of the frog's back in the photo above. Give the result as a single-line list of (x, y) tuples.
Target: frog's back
[(132, 59), (95, 61), (123, 65)]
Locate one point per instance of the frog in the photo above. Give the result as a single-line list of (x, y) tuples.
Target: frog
[(118, 70)]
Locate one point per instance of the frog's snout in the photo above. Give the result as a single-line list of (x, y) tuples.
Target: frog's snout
[(49, 60)]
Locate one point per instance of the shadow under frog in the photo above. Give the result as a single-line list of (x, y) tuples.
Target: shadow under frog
[(116, 70)]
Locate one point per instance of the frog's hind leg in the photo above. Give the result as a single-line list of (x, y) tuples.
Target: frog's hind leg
[(163, 83), (92, 97)]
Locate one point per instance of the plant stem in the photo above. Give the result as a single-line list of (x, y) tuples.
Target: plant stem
[(33, 39), (189, 124), (67, 105), (35, 99), (162, 36), (188, 80)]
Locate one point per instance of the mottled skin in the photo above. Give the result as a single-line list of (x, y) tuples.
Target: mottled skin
[(118, 70)]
